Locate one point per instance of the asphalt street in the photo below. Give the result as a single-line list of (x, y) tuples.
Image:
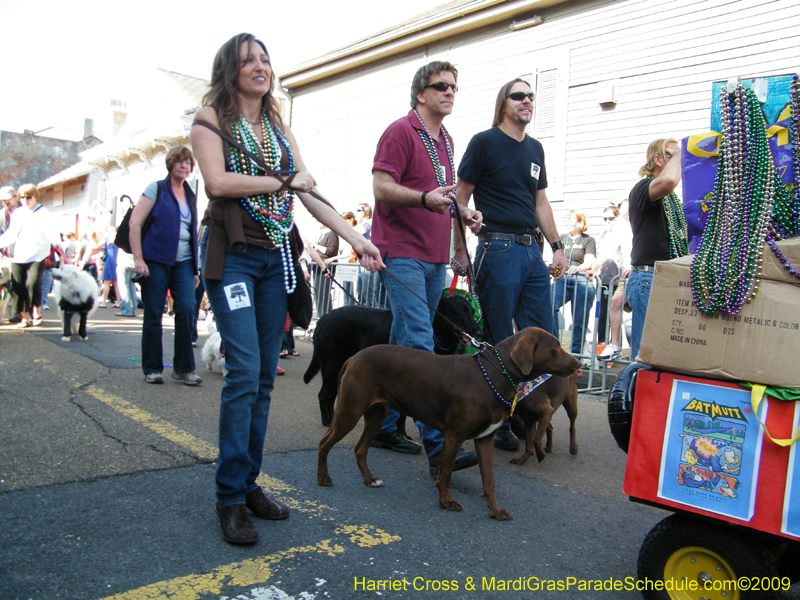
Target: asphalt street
[(107, 491)]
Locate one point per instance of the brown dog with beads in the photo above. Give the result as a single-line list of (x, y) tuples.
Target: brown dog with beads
[(462, 396)]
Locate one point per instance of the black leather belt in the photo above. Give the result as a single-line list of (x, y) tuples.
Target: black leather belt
[(525, 239)]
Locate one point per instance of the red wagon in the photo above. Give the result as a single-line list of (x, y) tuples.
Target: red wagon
[(694, 448)]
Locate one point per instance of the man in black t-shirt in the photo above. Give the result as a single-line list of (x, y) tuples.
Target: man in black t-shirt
[(504, 169), (651, 236)]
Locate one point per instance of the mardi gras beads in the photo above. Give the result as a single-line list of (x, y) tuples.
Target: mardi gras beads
[(274, 212), (726, 271)]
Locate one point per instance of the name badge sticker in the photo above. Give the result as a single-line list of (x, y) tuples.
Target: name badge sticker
[(237, 296), (535, 170)]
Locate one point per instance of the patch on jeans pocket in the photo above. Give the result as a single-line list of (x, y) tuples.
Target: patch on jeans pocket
[(237, 296)]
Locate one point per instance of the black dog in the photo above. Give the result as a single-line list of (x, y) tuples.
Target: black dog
[(343, 332)]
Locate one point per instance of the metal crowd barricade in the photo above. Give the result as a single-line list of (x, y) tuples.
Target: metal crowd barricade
[(564, 318), (360, 284), (368, 290)]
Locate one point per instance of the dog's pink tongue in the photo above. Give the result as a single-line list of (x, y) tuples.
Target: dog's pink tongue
[(578, 373)]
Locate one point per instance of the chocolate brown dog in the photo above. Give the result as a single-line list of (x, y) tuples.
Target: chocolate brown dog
[(450, 393), (537, 408)]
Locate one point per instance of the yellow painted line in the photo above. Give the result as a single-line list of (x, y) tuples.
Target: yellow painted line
[(249, 572), (196, 446), (200, 448), (253, 571)]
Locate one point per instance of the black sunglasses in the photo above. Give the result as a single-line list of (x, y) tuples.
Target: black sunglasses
[(26, 197), (441, 86), (520, 96), (609, 218)]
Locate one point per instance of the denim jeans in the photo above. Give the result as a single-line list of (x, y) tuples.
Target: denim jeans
[(412, 325), (179, 279), (514, 287), (250, 310), (198, 298), (638, 295), (580, 293), (47, 285), (127, 291)]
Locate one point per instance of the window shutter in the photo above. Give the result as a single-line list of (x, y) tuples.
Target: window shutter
[(545, 110)]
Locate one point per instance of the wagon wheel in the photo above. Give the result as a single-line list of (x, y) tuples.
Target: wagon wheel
[(620, 404), (684, 550)]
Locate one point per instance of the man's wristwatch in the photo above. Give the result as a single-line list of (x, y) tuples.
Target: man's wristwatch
[(559, 245)]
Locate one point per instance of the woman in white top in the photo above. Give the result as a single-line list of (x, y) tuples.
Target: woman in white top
[(32, 233)]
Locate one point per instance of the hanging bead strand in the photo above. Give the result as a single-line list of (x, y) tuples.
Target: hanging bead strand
[(274, 212)]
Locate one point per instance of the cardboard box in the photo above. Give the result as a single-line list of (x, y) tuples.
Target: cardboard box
[(760, 344)]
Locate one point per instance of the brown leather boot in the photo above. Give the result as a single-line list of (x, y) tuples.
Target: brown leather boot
[(236, 526), (264, 508)]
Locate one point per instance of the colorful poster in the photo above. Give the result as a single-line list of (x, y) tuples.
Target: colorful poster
[(712, 449), (791, 502), (778, 96)]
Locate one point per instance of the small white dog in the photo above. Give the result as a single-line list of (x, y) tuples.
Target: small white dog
[(213, 352), (76, 294)]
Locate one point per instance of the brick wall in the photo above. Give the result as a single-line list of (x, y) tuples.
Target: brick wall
[(28, 158)]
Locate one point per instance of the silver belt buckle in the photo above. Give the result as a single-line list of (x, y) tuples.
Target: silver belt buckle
[(526, 239)]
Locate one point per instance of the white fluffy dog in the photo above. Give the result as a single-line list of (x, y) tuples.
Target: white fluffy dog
[(212, 352), (76, 294)]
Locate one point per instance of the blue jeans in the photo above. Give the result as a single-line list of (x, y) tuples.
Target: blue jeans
[(514, 287), (638, 295), (127, 291), (250, 310), (47, 285), (198, 298), (412, 325), (580, 292), (179, 279)]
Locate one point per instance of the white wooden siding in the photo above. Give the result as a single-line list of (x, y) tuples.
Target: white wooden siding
[(664, 55)]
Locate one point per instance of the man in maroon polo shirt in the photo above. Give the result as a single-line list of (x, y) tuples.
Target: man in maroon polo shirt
[(413, 180)]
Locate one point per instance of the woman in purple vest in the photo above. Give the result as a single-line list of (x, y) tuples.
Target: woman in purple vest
[(165, 257)]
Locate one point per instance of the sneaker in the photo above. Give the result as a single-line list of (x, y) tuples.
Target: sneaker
[(610, 352), (396, 443), (464, 460), (154, 378), (506, 440), (190, 378)]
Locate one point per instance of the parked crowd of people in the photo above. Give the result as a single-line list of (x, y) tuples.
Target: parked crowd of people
[(238, 255)]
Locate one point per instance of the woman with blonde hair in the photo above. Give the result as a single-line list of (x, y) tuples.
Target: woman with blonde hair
[(32, 232), (580, 250), (248, 269)]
